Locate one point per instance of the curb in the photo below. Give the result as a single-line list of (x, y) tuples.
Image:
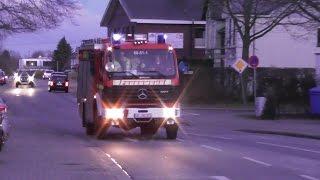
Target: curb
[(283, 133), (218, 109)]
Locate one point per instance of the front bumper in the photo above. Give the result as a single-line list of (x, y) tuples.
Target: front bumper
[(141, 115)]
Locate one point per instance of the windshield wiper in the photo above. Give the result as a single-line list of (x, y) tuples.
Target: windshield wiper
[(157, 72), (127, 72)]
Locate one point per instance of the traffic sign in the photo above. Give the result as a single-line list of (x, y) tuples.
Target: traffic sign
[(240, 65), (253, 61)]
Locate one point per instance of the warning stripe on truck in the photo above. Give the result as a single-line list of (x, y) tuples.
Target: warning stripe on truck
[(146, 82)]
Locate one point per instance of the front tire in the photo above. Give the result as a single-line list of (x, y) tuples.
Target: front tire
[(89, 128), (17, 85), (172, 131)]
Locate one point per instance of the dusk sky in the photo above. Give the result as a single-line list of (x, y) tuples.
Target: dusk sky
[(88, 26)]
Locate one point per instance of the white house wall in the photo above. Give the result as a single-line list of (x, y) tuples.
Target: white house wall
[(278, 48)]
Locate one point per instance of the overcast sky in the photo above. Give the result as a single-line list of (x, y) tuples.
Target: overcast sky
[(88, 26)]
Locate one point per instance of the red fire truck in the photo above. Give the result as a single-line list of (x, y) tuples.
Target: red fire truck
[(128, 82)]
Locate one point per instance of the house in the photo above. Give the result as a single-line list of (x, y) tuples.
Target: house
[(182, 21), (35, 63), (286, 46)]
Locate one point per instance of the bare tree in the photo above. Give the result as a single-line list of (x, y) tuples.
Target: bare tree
[(18, 16), (251, 20), (309, 8)]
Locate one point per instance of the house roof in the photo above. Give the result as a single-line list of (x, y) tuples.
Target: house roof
[(159, 11)]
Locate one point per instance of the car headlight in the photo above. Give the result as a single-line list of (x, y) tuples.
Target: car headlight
[(169, 112), (31, 78), (114, 113)]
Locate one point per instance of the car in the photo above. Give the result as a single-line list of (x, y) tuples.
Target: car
[(3, 78), (4, 126), (25, 78), (47, 74), (58, 82)]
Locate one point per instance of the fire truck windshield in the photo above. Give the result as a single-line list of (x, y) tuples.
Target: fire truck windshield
[(143, 62)]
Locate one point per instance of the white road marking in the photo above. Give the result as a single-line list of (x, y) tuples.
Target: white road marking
[(180, 140), (217, 137), (290, 147), (193, 114), (309, 177), (256, 161), (131, 140), (115, 162), (219, 177), (213, 148)]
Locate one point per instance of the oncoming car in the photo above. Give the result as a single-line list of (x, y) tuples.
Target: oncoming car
[(25, 78), (47, 74), (58, 82)]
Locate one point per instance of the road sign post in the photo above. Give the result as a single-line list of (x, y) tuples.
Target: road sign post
[(240, 65), (254, 62)]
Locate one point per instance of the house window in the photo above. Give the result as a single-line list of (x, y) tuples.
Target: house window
[(199, 35), (318, 38)]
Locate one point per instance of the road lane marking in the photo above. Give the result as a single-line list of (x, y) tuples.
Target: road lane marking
[(256, 161), (309, 177), (219, 177), (290, 147), (217, 137), (115, 162), (131, 140), (213, 148), (180, 140)]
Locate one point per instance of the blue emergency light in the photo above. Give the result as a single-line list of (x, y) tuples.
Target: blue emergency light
[(162, 39)]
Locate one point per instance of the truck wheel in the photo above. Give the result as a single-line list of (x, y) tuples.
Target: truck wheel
[(66, 91), (100, 125), (17, 85), (172, 131), (89, 128)]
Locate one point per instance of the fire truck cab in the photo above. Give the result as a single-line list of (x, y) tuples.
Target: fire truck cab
[(127, 82)]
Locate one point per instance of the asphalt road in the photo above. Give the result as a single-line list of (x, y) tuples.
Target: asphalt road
[(48, 142)]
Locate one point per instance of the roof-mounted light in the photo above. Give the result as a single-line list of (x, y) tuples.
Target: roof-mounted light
[(165, 36), (116, 37), (140, 37)]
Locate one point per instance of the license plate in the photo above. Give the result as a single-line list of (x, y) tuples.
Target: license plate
[(59, 83), (142, 115)]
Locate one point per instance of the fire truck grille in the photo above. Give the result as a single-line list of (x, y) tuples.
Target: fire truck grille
[(157, 94)]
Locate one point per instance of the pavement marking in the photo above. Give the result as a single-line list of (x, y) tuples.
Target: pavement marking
[(290, 147), (219, 177), (114, 161), (131, 140), (217, 137), (213, 148), (309, 177), (180, 140), (256, 161)]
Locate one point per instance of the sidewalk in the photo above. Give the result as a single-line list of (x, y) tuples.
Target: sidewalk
[(288, 126)]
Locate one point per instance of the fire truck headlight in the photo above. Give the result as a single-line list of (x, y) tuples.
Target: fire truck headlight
[(169, 112), (114, 113), (170, 48)]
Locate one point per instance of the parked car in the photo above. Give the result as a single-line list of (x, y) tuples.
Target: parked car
[(58, 82), (25, 78), (4, 126), (47, 74), (3, 78)]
